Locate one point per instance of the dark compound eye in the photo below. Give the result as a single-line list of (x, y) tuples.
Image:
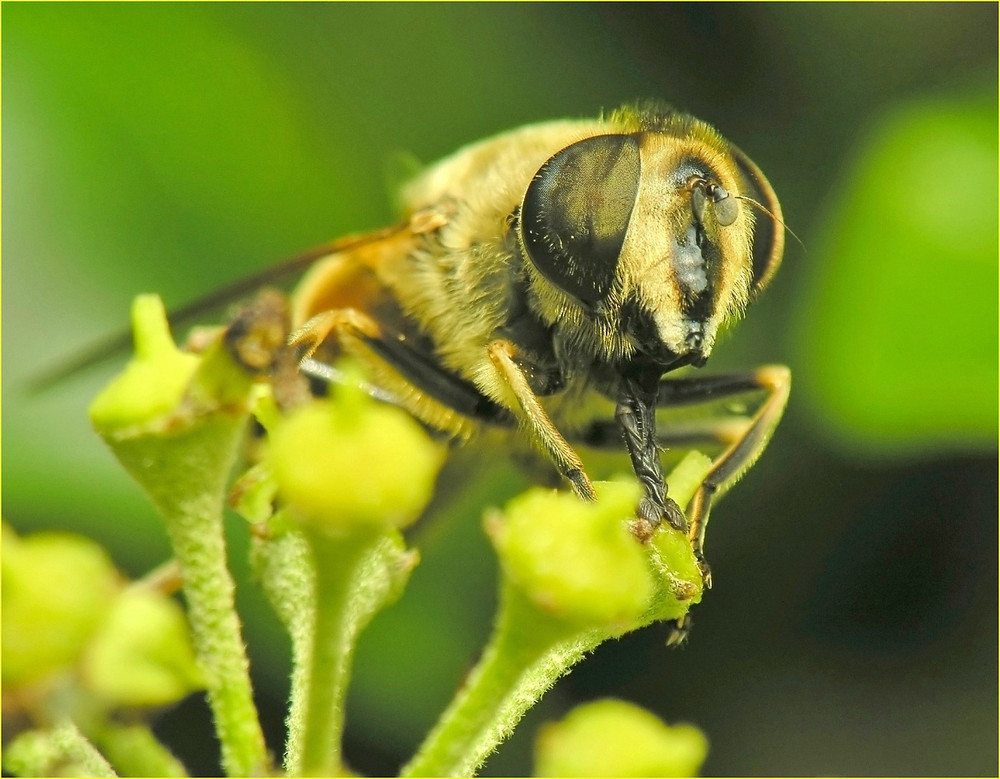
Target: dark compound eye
[(576, 213)]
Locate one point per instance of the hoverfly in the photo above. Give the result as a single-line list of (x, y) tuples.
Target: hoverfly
[(551, 264)]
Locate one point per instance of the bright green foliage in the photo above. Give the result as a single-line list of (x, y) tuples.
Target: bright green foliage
[(897, 338)]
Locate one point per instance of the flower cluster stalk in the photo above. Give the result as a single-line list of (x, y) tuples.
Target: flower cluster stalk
[(572, 577), (573, 574), (524, 657), (331, 653), (180, 442)]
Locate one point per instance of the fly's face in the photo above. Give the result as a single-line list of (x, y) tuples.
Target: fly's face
[(651, 235), (686, 262)]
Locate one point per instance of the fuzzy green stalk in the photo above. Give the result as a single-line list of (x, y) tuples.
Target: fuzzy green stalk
[(332, 650), (176, 423), (192, 509), (525, 656), (134, 751), (61, 750), (326, 588), (572, 577), (284, 566), (326, 463)]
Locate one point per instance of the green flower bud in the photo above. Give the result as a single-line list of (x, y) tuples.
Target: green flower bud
[(56, 591), (574, 560), (59, 751), (676, 571), (154, 381), (615, 738), (142, 655), (352, 463)]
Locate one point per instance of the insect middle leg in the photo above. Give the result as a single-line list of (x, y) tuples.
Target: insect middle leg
[(728, 467)]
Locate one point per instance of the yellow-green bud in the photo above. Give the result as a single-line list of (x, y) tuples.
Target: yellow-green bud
[(575, 560), (154, 381), (615, 738), (352, 463), (142, 655), (56, 591)]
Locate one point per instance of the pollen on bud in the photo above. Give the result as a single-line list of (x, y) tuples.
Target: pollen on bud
[(574, 560), (352, 463), (615, 738)]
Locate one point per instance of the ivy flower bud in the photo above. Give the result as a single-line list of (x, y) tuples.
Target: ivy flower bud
[(352, 463), (142, 655), (155, 379), (574, 560), (615, 738), (57, 589)]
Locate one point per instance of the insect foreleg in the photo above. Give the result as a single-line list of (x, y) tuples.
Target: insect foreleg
[(532, 414), (635, 416), (741, 439)]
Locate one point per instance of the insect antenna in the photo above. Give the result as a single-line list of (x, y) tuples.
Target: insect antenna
[(764, 209)]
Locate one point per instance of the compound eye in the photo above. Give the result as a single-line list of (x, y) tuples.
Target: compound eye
[(576, 213)]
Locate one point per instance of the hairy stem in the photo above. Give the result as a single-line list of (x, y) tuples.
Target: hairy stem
[(525, 656)]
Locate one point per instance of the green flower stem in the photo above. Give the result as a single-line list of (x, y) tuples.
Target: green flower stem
[(337, 560), (192, 507), (572, 576), (356, 574), (135, 751), (176, 423), (283, 565), (322, 464), (525, 656), (360, 572)]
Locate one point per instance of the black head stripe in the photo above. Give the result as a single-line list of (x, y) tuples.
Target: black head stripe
[(576, 212)]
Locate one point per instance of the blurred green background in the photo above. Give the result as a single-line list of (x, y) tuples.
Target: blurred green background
[(853, 625)]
